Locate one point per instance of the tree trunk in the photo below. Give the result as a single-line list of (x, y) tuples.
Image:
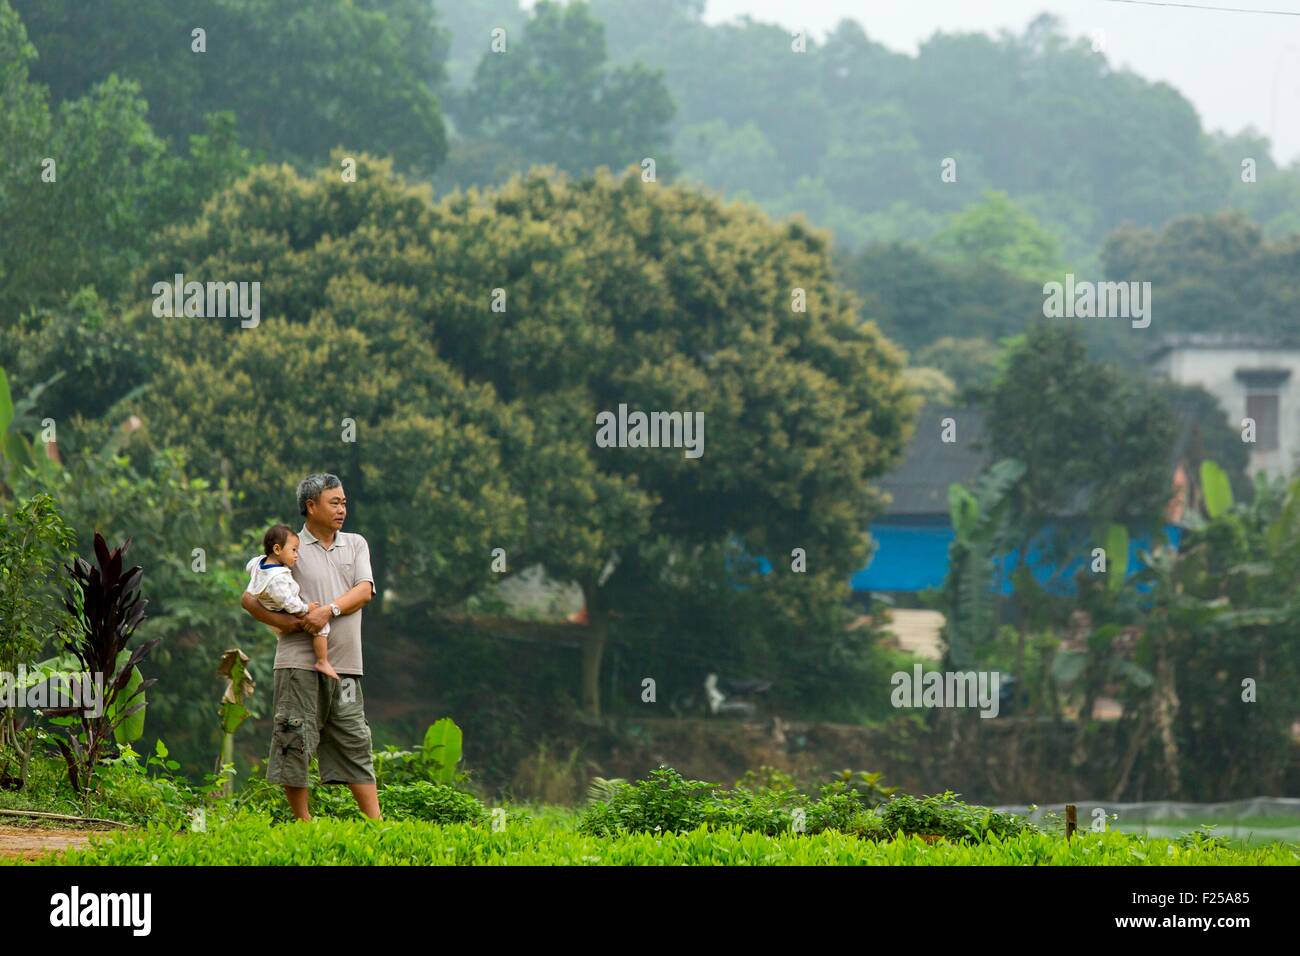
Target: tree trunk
[(1165, 706), (1136, 745), (593, 649)]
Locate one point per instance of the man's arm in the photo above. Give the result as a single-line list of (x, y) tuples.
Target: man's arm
[(356, 598), (352, 600), (277, 619)]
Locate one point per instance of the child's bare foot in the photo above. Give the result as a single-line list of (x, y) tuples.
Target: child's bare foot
[(326, 668)]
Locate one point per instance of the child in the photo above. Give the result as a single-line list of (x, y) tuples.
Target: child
[(272, 583)]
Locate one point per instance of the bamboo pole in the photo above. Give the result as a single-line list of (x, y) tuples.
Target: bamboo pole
[(43, 815)]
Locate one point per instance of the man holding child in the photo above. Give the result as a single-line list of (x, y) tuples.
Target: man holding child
[(314, 712)]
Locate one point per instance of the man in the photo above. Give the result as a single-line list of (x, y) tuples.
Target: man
[(316, 714)]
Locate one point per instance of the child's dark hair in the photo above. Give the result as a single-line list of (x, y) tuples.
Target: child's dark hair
[(277, 534)]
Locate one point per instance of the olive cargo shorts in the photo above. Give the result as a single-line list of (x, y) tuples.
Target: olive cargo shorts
[(315, 714)]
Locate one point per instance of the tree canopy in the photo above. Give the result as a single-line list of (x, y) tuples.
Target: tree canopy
[(476, 427)]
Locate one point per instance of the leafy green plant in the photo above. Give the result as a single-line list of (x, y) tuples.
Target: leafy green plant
[(844, 812), (394, 765), (147, 792), (602, 789), (32, 539), (434, 761), (663, 803), (1202, 838), (766, 779), (1216, 488), (434, 802), (978, 519), (239, 685), (769, 811), (865, 785), (442, 748), (944, 815), (765, 802)]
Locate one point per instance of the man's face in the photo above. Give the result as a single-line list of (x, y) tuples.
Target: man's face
[(330, 508)]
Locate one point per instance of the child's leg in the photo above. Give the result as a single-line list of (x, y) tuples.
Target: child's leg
[(320, 645)]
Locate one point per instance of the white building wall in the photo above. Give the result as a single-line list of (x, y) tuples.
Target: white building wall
[(1215, 370)]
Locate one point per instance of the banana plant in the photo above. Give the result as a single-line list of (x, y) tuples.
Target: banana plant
[(239, 685), (17, 451), (442, 749), (977, 516)]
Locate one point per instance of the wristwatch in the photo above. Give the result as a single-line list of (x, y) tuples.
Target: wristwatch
[(336, 610)]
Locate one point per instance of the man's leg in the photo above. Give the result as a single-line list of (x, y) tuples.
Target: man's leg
[(345, 745), (295, 735), (367, 797), (297, 797)]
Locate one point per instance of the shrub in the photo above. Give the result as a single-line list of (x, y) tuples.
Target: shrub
[(394, 766), (128, 789), (945, 815), (431, 802), (864, 784), (763, 802), (845, 812), (665, 803), (764, 811)]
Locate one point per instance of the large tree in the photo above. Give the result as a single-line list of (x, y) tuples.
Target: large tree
[(475, 428), (1094, 444), (551, 96)]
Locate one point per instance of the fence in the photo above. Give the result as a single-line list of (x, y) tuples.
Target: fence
[(1258, 820)]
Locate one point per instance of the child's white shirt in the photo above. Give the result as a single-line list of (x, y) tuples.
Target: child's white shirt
[(275, 587)]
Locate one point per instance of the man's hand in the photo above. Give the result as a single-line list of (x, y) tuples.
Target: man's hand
[(316, 618)]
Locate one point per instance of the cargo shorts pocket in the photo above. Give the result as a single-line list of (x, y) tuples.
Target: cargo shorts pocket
[(290, 737)]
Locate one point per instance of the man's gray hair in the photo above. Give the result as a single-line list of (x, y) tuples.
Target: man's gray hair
[(309, 489)]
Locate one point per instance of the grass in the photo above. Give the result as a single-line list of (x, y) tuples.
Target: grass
[(661, 820), (551, 838)]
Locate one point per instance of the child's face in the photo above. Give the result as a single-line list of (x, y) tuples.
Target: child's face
[(287, 553)]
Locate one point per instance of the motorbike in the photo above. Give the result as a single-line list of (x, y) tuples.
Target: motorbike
[(722, 697)]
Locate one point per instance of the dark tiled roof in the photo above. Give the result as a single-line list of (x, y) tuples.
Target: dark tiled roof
[(919, 485)]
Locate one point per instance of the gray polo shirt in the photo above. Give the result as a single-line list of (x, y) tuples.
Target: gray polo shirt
[(324, 575)]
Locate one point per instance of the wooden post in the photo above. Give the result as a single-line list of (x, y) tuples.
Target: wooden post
[(1071, 820)]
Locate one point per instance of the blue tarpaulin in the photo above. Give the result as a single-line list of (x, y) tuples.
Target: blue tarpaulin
[(914, 557)]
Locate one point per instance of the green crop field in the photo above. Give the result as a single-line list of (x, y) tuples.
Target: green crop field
[(552, 839)]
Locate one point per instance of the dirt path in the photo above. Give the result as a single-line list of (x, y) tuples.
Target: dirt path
[(28, 842)]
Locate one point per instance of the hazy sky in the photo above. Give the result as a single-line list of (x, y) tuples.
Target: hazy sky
[(1238, 69)]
